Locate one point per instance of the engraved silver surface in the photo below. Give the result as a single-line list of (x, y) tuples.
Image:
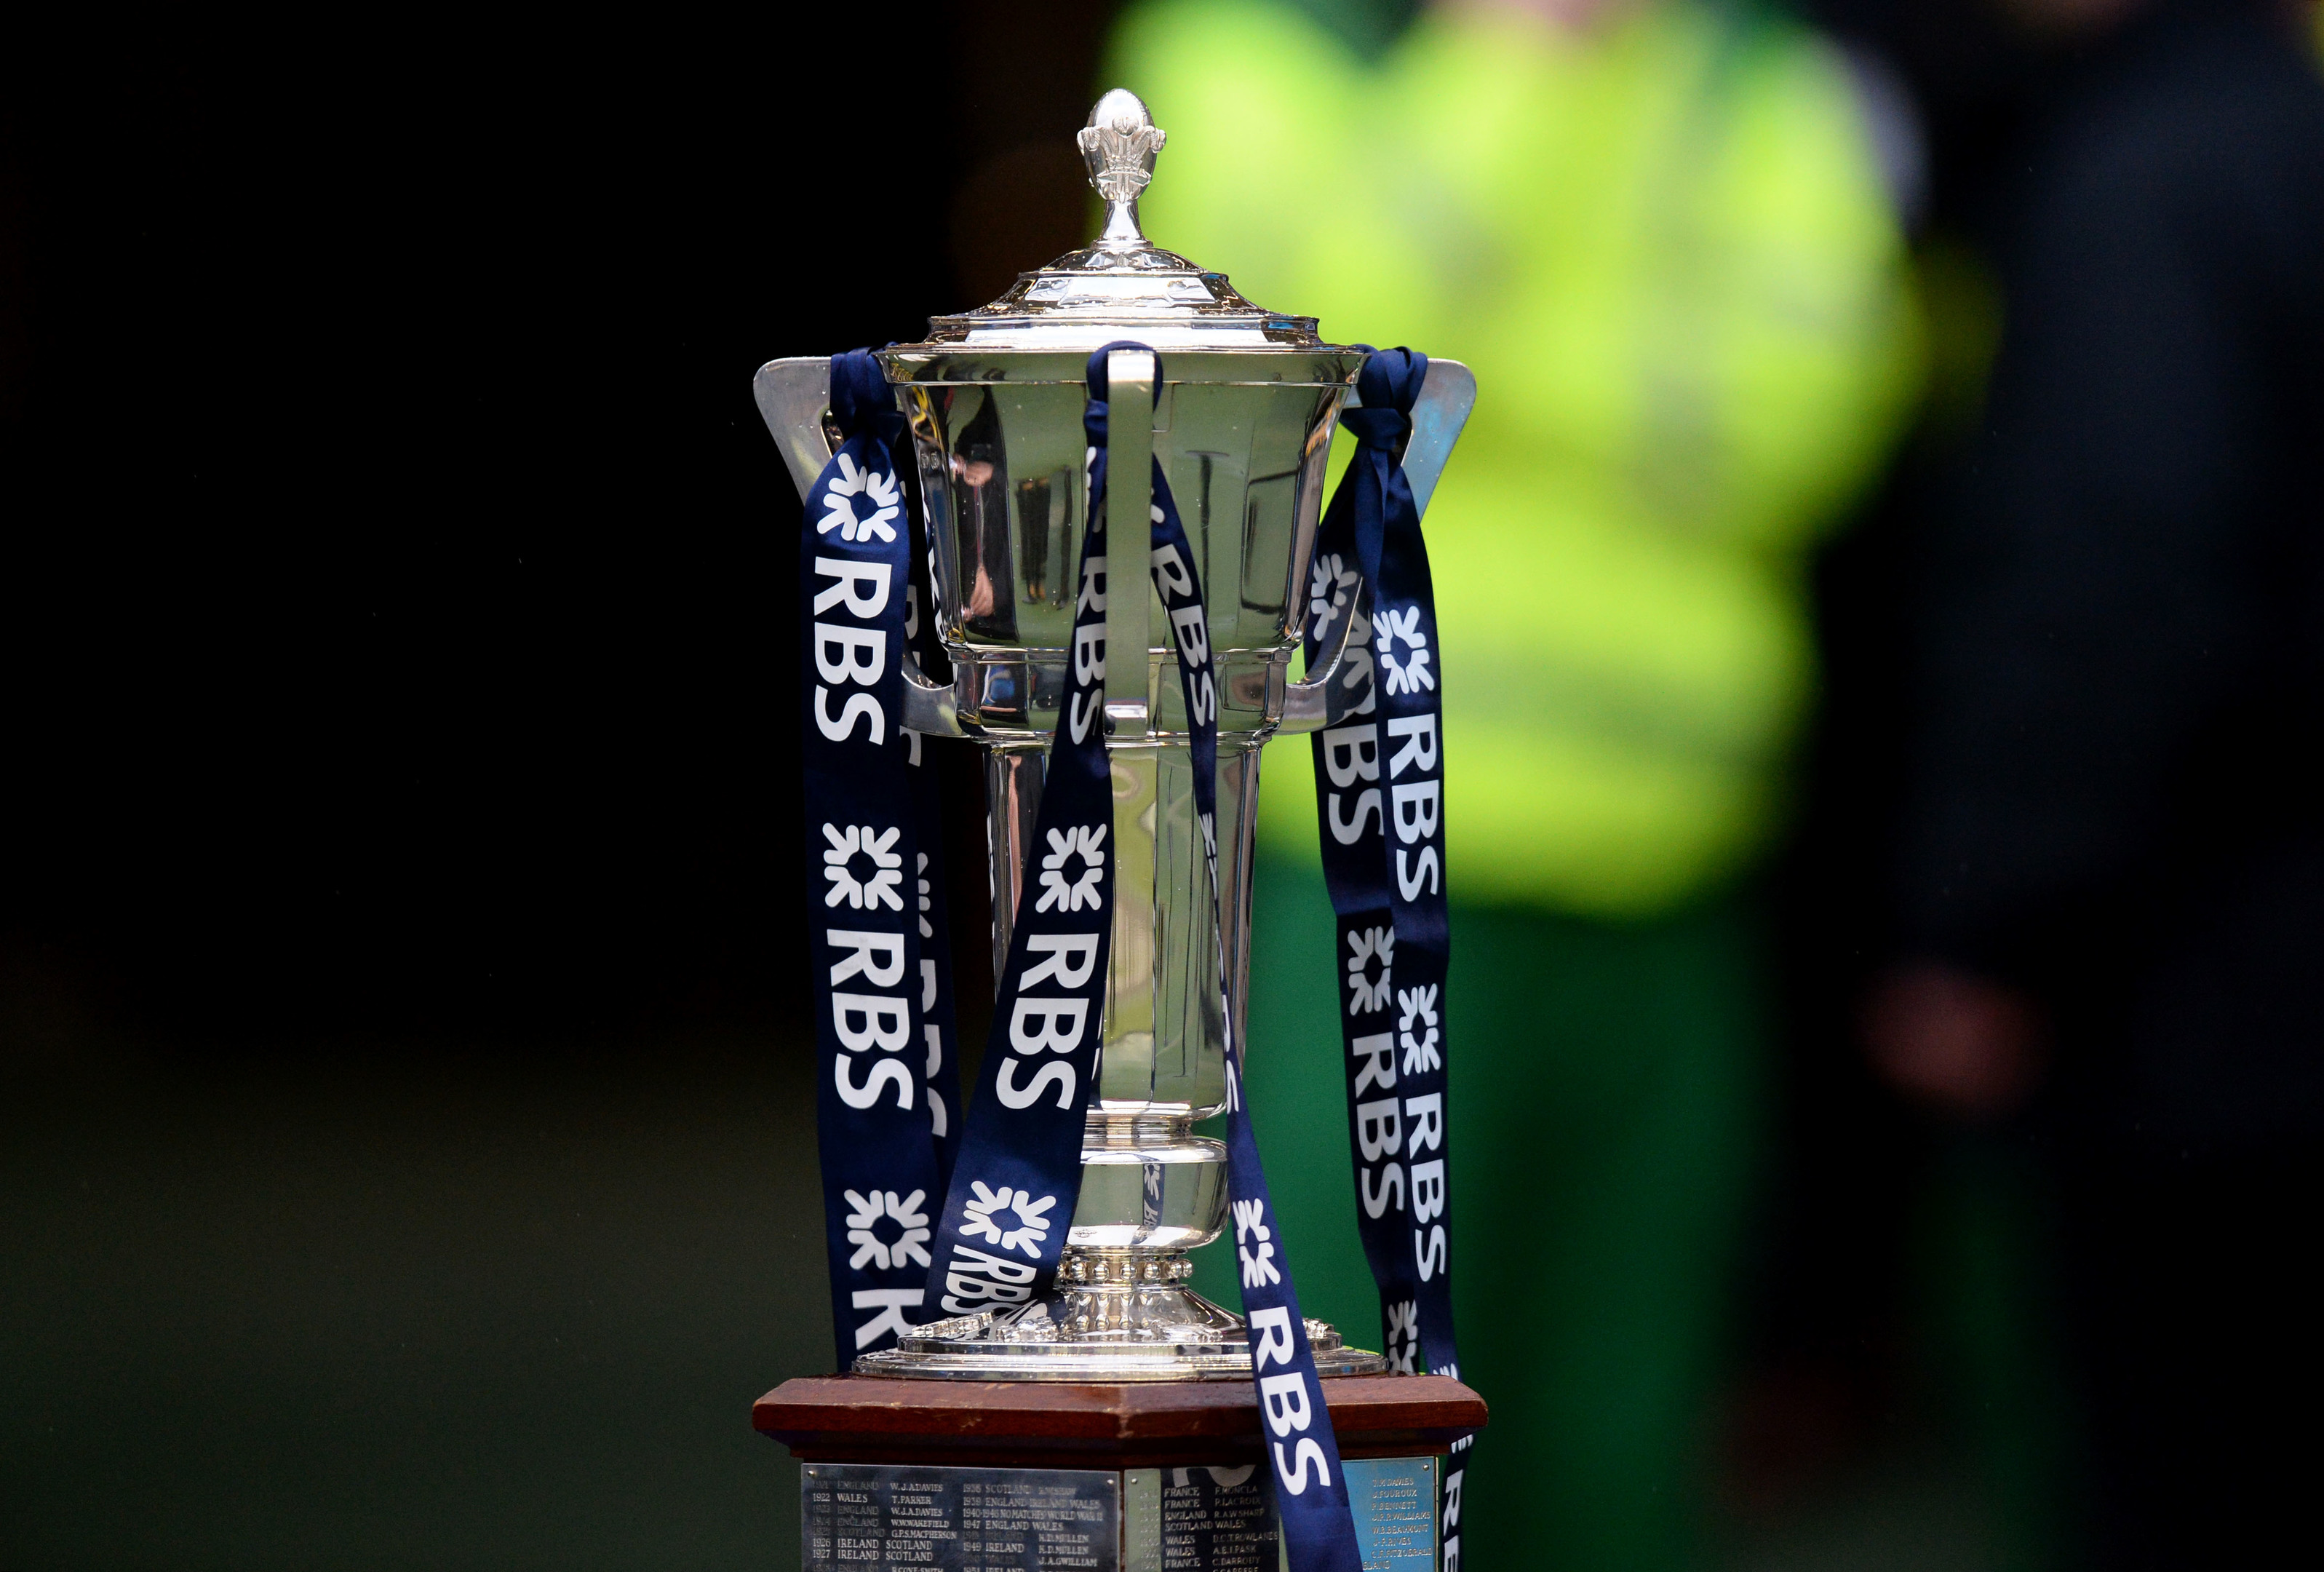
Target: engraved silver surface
[(1396, 1503), (874, 1517), (1206, 1519), (1248, 401)]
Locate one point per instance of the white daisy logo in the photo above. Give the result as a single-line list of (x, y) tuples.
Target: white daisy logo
[(1403, 1335), (1420, 1006), (1254, 1245), (875, 487), (866, 1211), (1411, 674), (1365, 947), (1059, 888), (882, 885), (1329, 581), (987, 1208)]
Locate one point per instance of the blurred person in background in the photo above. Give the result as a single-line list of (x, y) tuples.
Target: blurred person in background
[(1661, 235), (2112, 861)]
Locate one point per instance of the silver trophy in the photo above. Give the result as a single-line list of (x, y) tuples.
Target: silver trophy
[(1243, 427)]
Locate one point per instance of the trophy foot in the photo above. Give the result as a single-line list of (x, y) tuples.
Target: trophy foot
[(1116, 1316)]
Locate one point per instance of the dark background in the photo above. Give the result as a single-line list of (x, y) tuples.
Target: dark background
[(396, 586), (405, 1149)]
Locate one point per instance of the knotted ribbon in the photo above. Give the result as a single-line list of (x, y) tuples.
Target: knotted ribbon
[(882, 1064), (1379, 789)]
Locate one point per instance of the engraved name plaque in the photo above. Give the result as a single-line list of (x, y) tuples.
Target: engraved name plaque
[(1216, 1520), (1056, 1476), (1395, 1502), (857, 1517), (860, 1517)]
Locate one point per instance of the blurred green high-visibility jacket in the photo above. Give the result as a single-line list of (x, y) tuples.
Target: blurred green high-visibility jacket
[(1666, 249)]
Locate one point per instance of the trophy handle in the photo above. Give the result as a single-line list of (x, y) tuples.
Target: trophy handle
[(794, 395), (1447, 394), (1320, 699)]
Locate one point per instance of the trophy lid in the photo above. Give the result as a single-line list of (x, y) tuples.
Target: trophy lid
[(1122, 285)]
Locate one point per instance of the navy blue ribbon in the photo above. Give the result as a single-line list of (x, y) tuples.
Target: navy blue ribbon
[(1313, 1505), (923, 615), (1018, 1176), (866, 827), (1379, 789)]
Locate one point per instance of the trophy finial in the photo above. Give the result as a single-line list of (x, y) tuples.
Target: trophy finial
[(1119, 144)]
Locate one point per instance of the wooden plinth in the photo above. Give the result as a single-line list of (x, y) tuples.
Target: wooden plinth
[(1036, 1424)]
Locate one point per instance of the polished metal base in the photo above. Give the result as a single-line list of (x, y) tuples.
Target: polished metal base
[(1115, 1316)]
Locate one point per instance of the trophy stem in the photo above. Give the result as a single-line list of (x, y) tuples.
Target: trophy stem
[(1115, 1316), (1151, 1189)]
